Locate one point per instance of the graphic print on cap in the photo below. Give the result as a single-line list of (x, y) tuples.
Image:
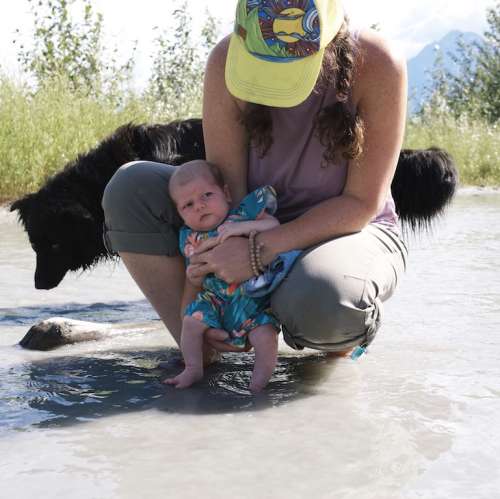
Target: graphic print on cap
[(279, 30)]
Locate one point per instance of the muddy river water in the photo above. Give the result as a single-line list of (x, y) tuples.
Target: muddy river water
[(417, 417)]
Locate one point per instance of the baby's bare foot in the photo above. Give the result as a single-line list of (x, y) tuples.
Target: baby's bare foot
[(259, 380), (186, 378)]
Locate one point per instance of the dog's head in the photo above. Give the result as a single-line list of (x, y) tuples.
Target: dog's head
[(63, 234)]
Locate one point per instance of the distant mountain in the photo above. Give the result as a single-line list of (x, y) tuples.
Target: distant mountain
[(420, 65)]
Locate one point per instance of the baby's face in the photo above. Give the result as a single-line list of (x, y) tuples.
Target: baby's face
[(201, 203)]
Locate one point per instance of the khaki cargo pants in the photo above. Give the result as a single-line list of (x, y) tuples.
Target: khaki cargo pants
[(332, 298)]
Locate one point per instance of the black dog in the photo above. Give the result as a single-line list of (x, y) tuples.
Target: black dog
[(64, 218)]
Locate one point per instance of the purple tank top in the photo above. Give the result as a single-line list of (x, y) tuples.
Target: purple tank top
[(295, 167)]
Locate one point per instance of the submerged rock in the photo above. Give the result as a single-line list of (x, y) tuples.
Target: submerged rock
[(58, 331)]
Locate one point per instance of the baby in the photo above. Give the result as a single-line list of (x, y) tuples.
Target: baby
[(203, 201)]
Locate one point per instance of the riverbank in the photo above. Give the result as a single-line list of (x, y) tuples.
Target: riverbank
[(474, 145), (461, 191), (42, 132)]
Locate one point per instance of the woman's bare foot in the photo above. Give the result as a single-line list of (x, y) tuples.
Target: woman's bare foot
[(186, 378)]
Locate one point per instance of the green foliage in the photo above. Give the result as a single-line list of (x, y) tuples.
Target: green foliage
[(40, 132), (176, 83), (65, 48), (463, 111), (473, 143), (488, 67), (474, 90), (78, 93)]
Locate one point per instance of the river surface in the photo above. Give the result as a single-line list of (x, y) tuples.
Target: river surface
[(417, 417)]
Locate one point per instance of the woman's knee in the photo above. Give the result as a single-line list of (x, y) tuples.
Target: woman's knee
[(138, 211), (119, 185), (324, 308), (137, 180)]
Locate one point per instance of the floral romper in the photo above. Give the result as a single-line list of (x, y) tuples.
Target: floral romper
[(226, 306)]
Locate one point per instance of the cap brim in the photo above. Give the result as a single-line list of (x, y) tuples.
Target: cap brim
[(283, 84)]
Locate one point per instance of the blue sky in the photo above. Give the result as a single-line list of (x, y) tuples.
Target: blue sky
[(410, 24)]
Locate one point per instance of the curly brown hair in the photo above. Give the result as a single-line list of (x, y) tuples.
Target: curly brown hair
[(339, 130)]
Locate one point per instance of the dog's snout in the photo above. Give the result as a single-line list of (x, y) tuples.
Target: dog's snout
[(47, 276)]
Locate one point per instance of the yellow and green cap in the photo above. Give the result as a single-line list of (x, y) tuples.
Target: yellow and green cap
[(276, 50)]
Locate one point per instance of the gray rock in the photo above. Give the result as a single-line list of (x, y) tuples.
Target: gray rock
[(58, 331)]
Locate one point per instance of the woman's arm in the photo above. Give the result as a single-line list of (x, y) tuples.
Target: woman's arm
[(380, 93), (226, 140)]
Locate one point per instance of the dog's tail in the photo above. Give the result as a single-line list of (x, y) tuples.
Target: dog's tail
[(423, 186)]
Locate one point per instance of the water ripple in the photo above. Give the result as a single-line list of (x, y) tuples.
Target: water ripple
[(69, 390), (114, 312)]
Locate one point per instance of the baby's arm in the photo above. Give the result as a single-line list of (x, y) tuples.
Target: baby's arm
[(229, 229)]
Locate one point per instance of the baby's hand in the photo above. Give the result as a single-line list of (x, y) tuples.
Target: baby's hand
[(229, 229)]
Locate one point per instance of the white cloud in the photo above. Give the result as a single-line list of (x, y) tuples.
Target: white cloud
[(414, 24)]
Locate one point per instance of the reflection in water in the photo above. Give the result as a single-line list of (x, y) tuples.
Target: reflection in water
[(116, 311), (68, 390)]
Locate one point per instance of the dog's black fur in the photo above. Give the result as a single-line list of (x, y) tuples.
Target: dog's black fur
[(424, 184), (64, 219)]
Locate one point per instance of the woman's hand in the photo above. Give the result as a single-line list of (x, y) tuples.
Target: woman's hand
[(215, 339), (196, 273), (229, 261)]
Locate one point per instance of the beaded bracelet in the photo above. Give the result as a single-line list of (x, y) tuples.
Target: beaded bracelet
[(253, 254), (258, 258), (256, 264)]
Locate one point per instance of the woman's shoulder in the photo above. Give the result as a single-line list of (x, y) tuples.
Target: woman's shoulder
[(218, 54), (216, 64), (377, 60)]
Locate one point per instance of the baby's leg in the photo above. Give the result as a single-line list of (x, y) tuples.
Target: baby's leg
[(264, 339), (192, 351)]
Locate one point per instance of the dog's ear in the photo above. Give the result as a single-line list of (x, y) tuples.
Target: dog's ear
[(22, 205)]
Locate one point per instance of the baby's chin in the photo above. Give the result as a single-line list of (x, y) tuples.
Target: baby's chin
[(209, 225)]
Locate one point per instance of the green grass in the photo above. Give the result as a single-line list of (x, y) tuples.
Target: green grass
[(40, 133), (474, 144)]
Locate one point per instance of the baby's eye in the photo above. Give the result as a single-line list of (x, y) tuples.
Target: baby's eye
[(208, 194), (188, 205)]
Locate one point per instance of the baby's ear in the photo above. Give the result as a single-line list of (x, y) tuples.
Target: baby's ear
[(227, 193)]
